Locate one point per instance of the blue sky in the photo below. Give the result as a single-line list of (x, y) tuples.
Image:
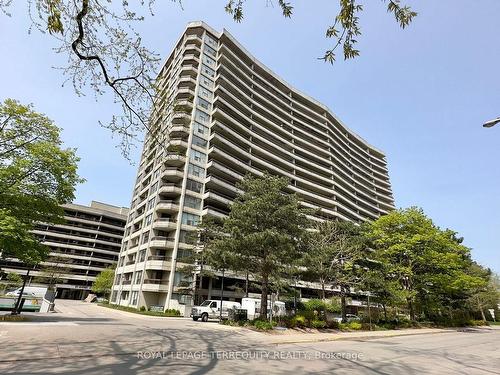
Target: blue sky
[(420, 95)]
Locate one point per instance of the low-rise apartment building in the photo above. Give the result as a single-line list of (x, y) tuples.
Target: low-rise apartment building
[(87, 243)]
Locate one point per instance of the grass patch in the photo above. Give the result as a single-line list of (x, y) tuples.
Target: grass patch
[(167, 313), (13, 318)]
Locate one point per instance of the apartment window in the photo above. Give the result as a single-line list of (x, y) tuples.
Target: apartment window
[(212, 52), (202, 117), (138, 277), (195, 170), (204, 104), (145, 237), (184, 253), (187, 237), (142, 255), (190, 219), (118, 279), (205, 93), (151, 204), (211, 41), (148, 219), (208, 60), (134, 297), (124, 295), (192, 202), (200, 142), (195, 186), (198, 156), (113, 296), (208, 71), (207, 82), (153, 188), (157, 173), (200, 129)]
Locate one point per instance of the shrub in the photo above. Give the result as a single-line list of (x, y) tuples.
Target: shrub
[(473, 323), (300, 321), (333, 306), (318, 324), (333, 324), (314, 305), (263, 325), (290, 322), (172, 312), (142, 308), (355, 326)]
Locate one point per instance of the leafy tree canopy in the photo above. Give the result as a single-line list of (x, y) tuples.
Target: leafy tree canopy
[(104, 281), (430, 265), (36, 176)]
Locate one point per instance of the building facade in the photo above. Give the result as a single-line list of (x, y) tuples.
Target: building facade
[(220, 115), (87, 243)]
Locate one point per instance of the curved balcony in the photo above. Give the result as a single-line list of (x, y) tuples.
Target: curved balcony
[(162, 242), (175, 160), (155, 285), (165, 224)]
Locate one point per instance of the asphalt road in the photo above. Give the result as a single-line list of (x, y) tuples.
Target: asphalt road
[(87, 339)]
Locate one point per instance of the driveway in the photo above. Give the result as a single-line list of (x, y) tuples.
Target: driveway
[(88, 339)]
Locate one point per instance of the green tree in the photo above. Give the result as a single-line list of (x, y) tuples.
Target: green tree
[(333, 249), (36, 176), (386, 290), (52, 270), (264, 232), (429, 264), (200, 263), (104, 281), (105, 52), (13, 279), (487, 294)]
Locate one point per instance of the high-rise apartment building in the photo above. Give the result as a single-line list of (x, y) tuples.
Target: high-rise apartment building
[(223, 114), (87, 243)]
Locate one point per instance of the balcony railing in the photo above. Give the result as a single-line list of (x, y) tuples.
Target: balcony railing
[(159, 257), (155, 281)]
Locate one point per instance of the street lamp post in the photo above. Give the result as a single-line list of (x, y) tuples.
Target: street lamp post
[(491, 123)]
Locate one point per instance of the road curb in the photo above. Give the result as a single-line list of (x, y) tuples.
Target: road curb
[(360, 338)]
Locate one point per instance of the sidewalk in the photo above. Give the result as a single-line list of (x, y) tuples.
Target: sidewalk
[(293, 337)]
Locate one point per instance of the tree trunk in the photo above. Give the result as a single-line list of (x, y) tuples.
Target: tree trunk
[(246, 285), (385, 311), (221, 295), (263, 297), (323, 294), (198, 292), (412, 310), (482, 314), (343, 304)]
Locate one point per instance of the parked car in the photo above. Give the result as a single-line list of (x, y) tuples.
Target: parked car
[(29, 291), (349, 318), (210, 309)]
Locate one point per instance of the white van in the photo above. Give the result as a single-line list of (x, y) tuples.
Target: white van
[(29, 291), (252, 305), (210, 309)]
